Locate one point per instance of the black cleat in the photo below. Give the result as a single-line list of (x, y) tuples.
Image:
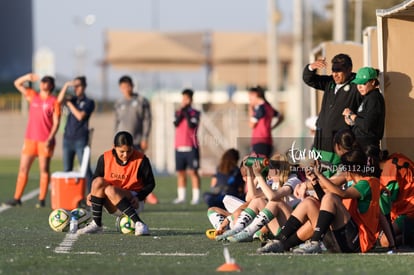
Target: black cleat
[(41, 204), (13, 202)]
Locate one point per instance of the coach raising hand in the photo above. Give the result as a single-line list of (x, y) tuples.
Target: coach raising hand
[(339, 93)]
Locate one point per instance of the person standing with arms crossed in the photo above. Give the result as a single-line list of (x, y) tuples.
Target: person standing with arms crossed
[(339, 93), (187, 155), (261, 114), (76, 135), (39, 141), (133, 114)]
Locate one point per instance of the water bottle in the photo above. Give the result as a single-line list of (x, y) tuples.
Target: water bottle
[(250, 161), (73, 226)]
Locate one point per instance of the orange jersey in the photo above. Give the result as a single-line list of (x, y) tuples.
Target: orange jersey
[(368, 221), (123, 176), (399, 168)]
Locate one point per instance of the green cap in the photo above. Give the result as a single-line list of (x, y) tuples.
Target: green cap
[(364, 75)]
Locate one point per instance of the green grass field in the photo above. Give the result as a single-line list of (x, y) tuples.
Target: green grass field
[(177, 244)]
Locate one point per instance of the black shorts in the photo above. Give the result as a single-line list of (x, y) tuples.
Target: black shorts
[(347, 238), (187, 160), (263, 149)]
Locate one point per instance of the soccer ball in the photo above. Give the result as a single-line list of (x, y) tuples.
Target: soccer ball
[(59, 220), (125, 225), (82, 215)]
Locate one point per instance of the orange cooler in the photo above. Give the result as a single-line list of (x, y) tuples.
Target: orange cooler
[(68, 190)]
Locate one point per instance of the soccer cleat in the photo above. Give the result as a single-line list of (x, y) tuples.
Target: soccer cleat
[(211, 234), (41, 204), (141, 229), (195, 202), (226, 234), (178, 201), (13, 202), (91, 228), (272, 246), (240, 237), (310, 247), (151, 199)]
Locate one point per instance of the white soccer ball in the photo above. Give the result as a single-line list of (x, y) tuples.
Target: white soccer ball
[(59, 220), (125, 225), (82, 215)]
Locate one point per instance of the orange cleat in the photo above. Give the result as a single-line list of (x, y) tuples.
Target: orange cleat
[(151, 199)]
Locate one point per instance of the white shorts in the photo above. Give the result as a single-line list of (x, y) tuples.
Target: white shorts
[(232, 203)]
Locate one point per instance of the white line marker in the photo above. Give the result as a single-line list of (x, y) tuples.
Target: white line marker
[(66, 245), (88, 253), (176, 254), (170, 229), (26, 197)]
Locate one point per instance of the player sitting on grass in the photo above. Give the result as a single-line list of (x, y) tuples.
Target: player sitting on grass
[(268, 190), (397, 177), (277, 203), (222, 219), (353, 213), (123, 178)]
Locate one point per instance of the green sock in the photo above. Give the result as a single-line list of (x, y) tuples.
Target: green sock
[(215, 218), (263, 218), (244, 219)]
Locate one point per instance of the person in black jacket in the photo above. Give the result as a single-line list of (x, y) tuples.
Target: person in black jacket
[(339, 93), (368, 122)]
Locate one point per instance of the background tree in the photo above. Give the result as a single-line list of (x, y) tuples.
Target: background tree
[(323, 23)]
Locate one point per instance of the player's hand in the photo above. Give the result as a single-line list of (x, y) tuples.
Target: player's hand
[(317, 169), (144, 145), (300, 191), (32, 77), (347, 112), (257, 168), (318, 64), (88, 200), (310, 173), (70, 83)]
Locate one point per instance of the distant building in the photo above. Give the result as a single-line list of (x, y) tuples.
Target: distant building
[(16, 32)]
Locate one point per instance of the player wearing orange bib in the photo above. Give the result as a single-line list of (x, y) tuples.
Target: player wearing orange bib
[(43, 123), (123, 179), (398, 178)]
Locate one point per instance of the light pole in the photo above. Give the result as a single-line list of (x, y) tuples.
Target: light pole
[(80, 50)]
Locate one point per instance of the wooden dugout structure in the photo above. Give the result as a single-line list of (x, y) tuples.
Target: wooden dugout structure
[(395, 51)]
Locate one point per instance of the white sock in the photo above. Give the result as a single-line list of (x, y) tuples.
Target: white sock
[(215, 218), (181, 193), (263, 218), (196, 195), (244, 219)]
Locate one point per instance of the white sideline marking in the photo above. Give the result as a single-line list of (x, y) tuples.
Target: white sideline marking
[(170, 229), (173, 254), (26, 197), (88, 253), (66, 245)]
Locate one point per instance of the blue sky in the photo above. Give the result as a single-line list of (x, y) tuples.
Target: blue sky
[(57, 25)]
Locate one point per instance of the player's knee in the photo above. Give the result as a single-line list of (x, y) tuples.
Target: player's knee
[(329, 197), (98, 184), (110, 192)]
